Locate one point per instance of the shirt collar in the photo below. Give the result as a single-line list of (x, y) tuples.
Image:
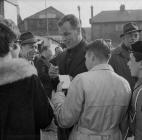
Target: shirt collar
[(102, 67), (138, 83)]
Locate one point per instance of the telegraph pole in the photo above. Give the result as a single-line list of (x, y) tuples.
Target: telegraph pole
[(78, 7), (92, 14), (46, 18)]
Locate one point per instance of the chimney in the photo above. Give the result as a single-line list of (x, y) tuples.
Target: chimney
[(19, 19), (92, 12), (122, 7)]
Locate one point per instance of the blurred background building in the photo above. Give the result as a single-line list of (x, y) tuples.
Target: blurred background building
[(109, 24)]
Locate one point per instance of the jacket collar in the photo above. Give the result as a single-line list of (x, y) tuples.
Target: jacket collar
[(138, 83), (102, 67), (14, 70), (77, 47)]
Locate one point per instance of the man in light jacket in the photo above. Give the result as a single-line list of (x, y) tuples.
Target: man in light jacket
[(97, 100)]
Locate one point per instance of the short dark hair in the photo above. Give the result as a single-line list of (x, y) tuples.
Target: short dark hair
[(136, 49), (73, 20), (138, 56), (100, 49), (5, 39)]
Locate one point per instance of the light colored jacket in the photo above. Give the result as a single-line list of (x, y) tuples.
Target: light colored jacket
[(95, 104)]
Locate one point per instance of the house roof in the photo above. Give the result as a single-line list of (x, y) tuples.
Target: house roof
[(118, 16), (14, 2), (50, 10)]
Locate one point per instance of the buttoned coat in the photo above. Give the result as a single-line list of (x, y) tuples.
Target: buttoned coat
[(96, 103)]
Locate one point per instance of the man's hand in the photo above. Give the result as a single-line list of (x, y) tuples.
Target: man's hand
[(53, 71), (59, 87)]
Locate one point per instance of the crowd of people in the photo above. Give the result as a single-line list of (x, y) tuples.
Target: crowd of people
[(104, 98)]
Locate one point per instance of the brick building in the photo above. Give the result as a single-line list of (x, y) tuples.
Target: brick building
[(109, 24), (43, 23)]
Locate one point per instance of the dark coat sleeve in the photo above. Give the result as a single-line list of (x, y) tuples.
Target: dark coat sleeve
[(42, 109), (55, 81), (42, 67)]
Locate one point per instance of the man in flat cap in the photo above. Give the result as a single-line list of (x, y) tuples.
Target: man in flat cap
[(120, 55)]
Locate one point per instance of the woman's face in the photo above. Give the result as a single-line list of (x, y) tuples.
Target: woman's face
[(134, 66)]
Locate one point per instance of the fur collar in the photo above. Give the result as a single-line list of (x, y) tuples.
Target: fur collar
[(14, 70)]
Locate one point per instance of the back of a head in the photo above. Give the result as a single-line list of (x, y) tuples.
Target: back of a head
[(137, 50), (8, 32), (72, 19), (100, 49)]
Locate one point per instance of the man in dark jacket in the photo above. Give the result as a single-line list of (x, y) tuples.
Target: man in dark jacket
[(120, 55), (24, 108), (71, 61)]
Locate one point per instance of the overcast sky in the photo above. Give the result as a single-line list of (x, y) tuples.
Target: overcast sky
[(30, 7)]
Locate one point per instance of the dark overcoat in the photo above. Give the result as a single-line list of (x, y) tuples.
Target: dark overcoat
[(24, 107), (119, 60), (72, 62), (42, 66)]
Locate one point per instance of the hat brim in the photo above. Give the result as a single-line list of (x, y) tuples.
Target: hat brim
[(130, 32), (29, 41)]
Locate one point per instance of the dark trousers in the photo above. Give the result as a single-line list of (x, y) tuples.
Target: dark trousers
[(63, 133)]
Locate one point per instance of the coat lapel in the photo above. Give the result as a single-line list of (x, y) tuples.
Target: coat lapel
[(61, 63)]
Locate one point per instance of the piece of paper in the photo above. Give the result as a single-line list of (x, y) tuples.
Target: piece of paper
[(66, 80)]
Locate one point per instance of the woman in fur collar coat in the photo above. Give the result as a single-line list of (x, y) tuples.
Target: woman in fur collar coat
[(24, 108)]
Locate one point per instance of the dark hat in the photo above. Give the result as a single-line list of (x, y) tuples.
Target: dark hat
[(129, 28), (9, 26), (137, 47), (27, 38)]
